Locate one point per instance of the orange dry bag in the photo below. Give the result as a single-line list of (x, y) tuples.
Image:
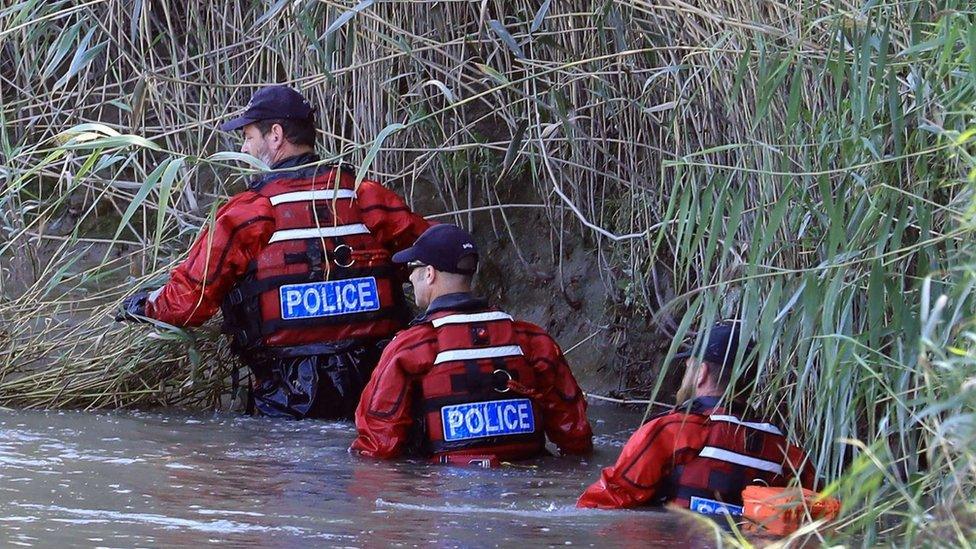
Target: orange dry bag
[(781, 511)]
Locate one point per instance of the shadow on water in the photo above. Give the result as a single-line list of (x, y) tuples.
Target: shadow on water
[(149, 479)]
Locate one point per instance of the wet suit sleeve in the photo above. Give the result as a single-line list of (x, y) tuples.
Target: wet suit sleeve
[(218, 258), (562, 401), (387, 216), (634, 479), (383, 416)]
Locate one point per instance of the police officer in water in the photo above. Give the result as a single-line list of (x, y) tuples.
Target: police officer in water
[(466, 383), (702, 454), (299, 263)]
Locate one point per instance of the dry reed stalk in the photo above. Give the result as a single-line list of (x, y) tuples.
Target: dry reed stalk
[(804, 167)]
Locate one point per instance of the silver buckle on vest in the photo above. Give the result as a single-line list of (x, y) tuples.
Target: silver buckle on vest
[(507, 374), (335, 258)]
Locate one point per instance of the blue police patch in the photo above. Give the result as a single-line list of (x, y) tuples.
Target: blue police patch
[(707, 506), (487, 419), (329, 298)]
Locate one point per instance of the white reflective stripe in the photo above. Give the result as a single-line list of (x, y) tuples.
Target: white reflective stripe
[(739, 459), (320, 232), (475, 354), (476, 317), (767, 427), (300, 196)]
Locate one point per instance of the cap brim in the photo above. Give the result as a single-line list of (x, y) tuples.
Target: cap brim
[(682, 354), (405, 256), (236, 123)]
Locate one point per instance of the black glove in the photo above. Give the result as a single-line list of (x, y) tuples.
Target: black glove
[(133, 305)]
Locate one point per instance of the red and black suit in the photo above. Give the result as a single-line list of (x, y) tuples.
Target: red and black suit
[(468, 380), (699, 456), (300, 265)]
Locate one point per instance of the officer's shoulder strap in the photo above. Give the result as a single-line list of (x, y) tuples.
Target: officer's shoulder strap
[(447, 318)]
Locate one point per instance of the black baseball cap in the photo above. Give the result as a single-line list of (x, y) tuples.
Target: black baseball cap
[(272, 102), (447, 248), (721, 346)]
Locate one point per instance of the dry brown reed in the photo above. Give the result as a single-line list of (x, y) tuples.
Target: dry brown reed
[(802, 166)]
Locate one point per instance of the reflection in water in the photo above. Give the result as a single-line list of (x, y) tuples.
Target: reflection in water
[(141, 479)]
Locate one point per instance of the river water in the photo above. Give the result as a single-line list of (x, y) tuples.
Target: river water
[(138, 479)]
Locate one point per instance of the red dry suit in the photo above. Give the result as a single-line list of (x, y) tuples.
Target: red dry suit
[(699, 456), (466, 380), (301, 263)]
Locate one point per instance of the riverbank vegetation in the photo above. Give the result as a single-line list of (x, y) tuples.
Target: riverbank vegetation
[(807, 167)]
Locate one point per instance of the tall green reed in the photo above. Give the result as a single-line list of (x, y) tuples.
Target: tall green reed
[(804, 167)]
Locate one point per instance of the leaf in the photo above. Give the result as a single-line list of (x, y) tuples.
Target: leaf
[(561, 106), (671, 69), (495, 75), (540, 16), (93, 135), (195, 360), (706, 152), (666, 106), (796, 94), (59, 50), (773, 75), (345, 17), (971, 50), (119, 104), (58, 276), (876, 303), (140, 197), (138, 103), (965, 136), (271, 13), (83, 56), (85, 168), (735, 220), (896, 113), (444, 90), (165, 188), (740, 71), (5, 145), (90, 127), (718, 218), (252, 161), (25, 177), (507, 39), (791, 302), (136, 21), (107, 161), (403, 45), (512, 152), (619, 32), (928, 45), (23, 11), (88, 141), (375, 149)]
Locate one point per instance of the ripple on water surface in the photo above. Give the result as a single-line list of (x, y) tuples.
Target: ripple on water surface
[(149, 479)]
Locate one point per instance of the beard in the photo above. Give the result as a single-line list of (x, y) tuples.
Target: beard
[(685, 393), (265, 155), (687, 390)]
